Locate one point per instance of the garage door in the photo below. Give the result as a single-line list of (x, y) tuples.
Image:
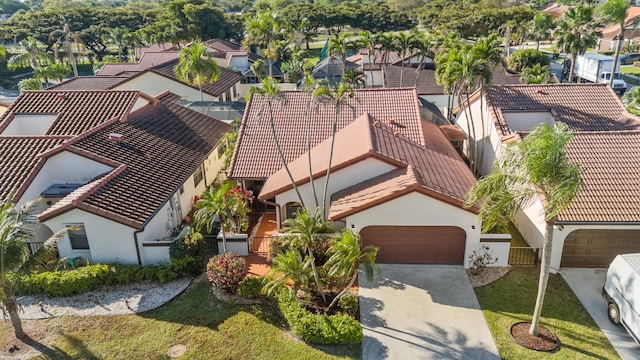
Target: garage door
[(416, 244), (597, 248)]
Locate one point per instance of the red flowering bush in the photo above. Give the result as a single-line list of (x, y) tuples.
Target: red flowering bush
[(226, 271)]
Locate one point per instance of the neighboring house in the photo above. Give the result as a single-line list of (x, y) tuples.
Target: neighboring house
[(330, 69), (604, 218), (148, 60), (395, 177), (118, 169), (234, 57), (609, 39)]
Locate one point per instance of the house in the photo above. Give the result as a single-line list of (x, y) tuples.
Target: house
[(117, 169), (604, 218), (395, 178), (232, 56), (330, 69), (609, 39)]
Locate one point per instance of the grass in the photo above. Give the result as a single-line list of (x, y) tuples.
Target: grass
[(512, 298), (630, 69), (209, 328)]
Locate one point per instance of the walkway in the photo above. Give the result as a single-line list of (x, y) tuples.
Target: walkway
[(260, 245)]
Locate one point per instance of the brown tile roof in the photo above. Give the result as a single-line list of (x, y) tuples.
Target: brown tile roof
[(427, 84), (584, 107), (226, 79), (162, 146), (19, 159), (256, 156), (77, 111), (148, 60), (610, 190), (611, 32), (436, 169), (224, 48), (89, 83)]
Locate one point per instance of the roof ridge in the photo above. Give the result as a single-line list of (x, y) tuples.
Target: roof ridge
[(35, 137)]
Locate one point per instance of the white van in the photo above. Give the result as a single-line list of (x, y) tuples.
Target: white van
[(622, 292)]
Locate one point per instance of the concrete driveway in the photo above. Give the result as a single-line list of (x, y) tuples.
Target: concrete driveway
[(587, 285), (423, 312)]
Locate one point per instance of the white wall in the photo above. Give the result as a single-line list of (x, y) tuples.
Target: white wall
[(153, 85), (64, 167), (441, 101), (499, 247), (376, 80), (527, 121), (29, 124), (240, 62), (415, 209)]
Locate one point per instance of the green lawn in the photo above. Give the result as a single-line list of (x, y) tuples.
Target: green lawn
[(630, 69), (512, 298), (209, 328)]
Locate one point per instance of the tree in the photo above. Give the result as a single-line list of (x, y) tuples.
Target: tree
[(576, 32), (228, 204), (29, 84), (535, 168), (263, 30), (340, 47), (540, 28), (536, 75), (424, 44), (16, 226), (121, 38), (631, 100), (369, 41), (32, 56), (195, 66), (615, 12), (404, 45), (66, 38), (387, 45)]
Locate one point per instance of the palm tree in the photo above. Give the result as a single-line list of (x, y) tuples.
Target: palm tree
[(540, 28), (32, 56), (631, 100), (16, 226), (42, 74), (225, 204), (615, 12), (66, 38), (576, 32), (288, 267), (354, 77), (340, 47), (536, 168), (58, 71), (338, 95), (29, 84), (271, 93), (263, 29), (537, 74), (309, 85), (120, 37), (307, 232), (404, 44), (195, 67), (424, 44), (387, 45), (347, 255), (369, 41)]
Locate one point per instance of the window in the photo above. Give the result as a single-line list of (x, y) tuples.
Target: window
[(77, 237), (197, 176)]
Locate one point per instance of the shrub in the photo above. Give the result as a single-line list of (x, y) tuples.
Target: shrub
[(348, 302), (636, 64), (527, 58), (480, 259), (318, 328), (187, 253), (226, 271), (251, 287)]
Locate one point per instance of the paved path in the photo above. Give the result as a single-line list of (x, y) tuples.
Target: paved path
[(587, 285), (423, 312)]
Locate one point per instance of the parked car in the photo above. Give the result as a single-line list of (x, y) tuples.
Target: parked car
[(621, 290), (629, 58)]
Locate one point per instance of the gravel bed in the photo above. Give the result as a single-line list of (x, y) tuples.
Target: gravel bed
[(115, 300)]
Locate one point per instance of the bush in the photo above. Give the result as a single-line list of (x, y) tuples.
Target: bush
[(480, 259), (318, 328), (251, 287), (528, 58), (226, 271), (636, 64), (348, 302), (187, 253)]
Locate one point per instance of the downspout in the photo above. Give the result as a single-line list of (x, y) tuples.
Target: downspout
[(135, 239)]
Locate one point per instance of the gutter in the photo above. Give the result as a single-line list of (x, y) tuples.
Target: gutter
[(597, 223)]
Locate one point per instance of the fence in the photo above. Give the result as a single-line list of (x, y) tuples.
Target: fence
[(523, 256)]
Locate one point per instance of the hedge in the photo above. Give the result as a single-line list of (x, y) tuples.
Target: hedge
[(318, 328)]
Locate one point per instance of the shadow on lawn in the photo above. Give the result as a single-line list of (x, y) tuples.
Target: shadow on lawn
[(45, 351)]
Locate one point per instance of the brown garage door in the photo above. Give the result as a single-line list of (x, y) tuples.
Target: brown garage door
[(597, 248), (416, 244)]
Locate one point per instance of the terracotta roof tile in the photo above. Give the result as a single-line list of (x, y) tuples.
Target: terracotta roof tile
[(89, 83), (256, 156), (610, 190), (162, 146), (584, 107), (226, 79), (148, 60)]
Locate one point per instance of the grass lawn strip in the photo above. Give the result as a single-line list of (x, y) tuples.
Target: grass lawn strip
[(512, 299)]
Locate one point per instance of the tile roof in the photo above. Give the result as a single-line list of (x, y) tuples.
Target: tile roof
[(19, 159), (610, 191), (435, 168), (223, 47), (76, 111), (89, 83), (162, 146), (584, 107), (148, 60), (611, 32), (256, 157), (427, 84), (226, 79)]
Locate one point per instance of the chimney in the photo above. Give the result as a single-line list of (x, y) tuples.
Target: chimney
[(115, 137)]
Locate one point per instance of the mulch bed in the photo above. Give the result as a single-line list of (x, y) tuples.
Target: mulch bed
[(545, 341)]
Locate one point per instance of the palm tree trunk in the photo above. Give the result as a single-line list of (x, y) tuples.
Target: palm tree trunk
[(72, 60), (224, 237), (201, 96), (573, 64), (402, 71), (11, 307), (326, 181), (337, 298), (484, 130), (316, 275), (544, 277), (313, 186), (617, 55), (373, 82)]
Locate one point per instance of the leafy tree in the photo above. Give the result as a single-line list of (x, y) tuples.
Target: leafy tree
[(121, 38), (535, 168), (576, 32), (387, 45), (631, 100), (404, 45), (195, 66), (537, 74), (368, 41), (540, 28), (615, 12), (29, 84), (527, 58)]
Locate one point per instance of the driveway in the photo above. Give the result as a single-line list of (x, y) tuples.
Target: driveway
[(423, 312), (587, 285)]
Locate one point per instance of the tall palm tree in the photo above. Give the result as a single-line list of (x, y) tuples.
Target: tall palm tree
[(404, 44), (32, 56), (195, 66), (16, 226), (576, 32), (309, 85), (263, 30), (615, 12), (340, 47), (338, 95), (369, 41), (271, 92), (540, 27), (121, 38), (424, 44), (449, 45), (66, 38), (536, 168), (387, 45)]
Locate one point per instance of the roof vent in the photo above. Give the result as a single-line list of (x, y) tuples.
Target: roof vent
[(376, 123), (392, 121), (396, 133), (62, 96), (540, 91), (115, 137)]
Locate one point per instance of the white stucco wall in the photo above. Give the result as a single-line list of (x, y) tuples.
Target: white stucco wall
[(527, 121), (415, 209), (153, 85), (341, 179), (376, 80), (29, 124), (499, 247), (64, 167)]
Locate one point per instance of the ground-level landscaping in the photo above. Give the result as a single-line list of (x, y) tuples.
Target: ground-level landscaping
[(512, 299), (210, 329)]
